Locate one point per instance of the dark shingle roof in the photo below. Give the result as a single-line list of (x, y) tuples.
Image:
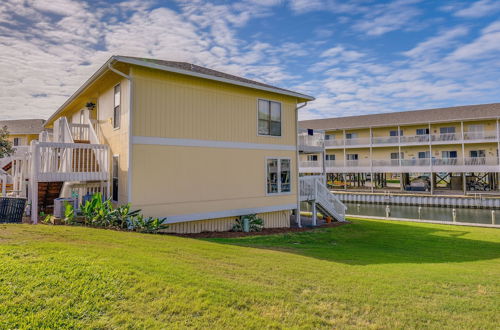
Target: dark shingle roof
[(23, 126), (196, 69), (466, 112)]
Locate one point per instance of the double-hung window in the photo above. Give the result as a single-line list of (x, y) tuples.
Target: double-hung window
[(424, 154), (312, 158), (117, 107), (269, 118), (422, 131), (449, 154), (278, 175), (17, 142)]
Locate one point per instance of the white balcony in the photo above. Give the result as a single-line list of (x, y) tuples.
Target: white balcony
[(445, 138), (481, 136), (459, 165), (311, 142)]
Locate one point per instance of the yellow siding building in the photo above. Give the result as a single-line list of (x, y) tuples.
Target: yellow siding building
[(195, 145), (444, 149)]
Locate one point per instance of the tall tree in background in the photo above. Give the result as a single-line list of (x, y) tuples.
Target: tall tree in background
[(5, 145)]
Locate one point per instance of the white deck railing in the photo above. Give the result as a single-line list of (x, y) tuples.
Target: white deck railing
[(80, 132), (55, 161)]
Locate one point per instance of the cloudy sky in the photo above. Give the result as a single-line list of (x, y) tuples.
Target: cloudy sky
[(356, 57)]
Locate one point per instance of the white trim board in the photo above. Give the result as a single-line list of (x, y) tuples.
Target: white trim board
[(227, 213), (208, 143)]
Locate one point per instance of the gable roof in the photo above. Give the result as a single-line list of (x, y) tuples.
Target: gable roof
[(181, 68), (202, 72), (466, 112), (23, 126)]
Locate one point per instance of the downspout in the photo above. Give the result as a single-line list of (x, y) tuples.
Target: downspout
[(297, 108), (129, 160)]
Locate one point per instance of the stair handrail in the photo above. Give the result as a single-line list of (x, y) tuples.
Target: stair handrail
[(331, 201), (101, 156)]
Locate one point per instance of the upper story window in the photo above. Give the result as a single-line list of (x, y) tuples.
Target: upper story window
[(447, 130), (117, 107), (16, 142), (269, 118), (351, 135), (278, 175), (329, 157), (476, 128), (449, 154), (424, 154), (422, 131), (395, 133), (329, 137), (312, 158)]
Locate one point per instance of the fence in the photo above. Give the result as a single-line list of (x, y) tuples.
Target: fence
[(12, 209)]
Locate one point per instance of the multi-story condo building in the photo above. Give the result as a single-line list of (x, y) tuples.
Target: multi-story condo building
[(452, 148), (197, 146)]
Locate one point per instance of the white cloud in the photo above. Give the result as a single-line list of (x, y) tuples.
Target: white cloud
[(487, 45), (434, 44), (479, 9), (387, 17)]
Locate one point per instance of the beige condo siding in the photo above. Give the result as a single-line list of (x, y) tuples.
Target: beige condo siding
[(172, 105), (176, 180), (117, 139)]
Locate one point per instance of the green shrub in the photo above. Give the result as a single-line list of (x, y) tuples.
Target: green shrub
[(255, 223), (101, 213), (69, 213)]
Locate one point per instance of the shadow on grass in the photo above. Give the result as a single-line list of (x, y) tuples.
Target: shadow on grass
[(365, 242)]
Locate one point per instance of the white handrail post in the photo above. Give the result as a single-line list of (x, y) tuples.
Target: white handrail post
[(35, 165)]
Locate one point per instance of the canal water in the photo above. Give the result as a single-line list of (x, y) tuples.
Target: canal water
[(426, 213)]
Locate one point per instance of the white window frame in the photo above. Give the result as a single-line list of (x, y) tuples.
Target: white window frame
[(281, 119), (16, 142), (114, 107), (279, 193), (310, 158), (327, 156)]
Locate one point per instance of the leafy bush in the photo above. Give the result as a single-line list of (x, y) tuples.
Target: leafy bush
[(99, 213), (255, 223), (69, 213)]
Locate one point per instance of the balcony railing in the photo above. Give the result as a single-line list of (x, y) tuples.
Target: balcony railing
[(310, 163), (308, 141), (415, 139), (469, 163), (482, 135)]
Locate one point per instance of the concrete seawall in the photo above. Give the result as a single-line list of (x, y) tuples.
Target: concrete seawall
[(478, 201)]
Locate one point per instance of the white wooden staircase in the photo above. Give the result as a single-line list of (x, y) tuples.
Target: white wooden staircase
[(72, 155), (314, 191)]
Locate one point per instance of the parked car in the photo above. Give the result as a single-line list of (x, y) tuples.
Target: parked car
[(421, 183)]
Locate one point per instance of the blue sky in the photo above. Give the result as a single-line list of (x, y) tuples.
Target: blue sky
[(356, 57)]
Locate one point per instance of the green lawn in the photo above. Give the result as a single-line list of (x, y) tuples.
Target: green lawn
[(370, 274)]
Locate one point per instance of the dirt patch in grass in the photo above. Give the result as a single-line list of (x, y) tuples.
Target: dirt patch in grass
[(265, 231)]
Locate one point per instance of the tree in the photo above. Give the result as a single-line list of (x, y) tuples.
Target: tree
[(5, 145)]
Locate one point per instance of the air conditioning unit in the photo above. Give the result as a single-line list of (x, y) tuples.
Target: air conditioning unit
[(60, 206)]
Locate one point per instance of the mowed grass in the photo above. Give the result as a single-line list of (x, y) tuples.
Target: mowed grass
[(369, 274)]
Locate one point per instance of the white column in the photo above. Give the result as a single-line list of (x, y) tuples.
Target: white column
[(371, 158), (35, 167), (4, 185), (430, 160)]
